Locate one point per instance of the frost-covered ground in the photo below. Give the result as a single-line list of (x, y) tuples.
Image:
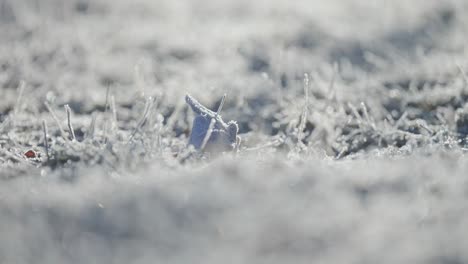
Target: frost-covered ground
[(353, 116)]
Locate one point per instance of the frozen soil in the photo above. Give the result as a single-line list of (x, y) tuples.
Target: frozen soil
[(353, 117)]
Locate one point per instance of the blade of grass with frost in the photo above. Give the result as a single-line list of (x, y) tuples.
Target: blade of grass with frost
[(204, 122), (92, 127), (5, 123), (212, 123), (70, 127), (46, 139), (106, 108), (114, 113), (54, 116), (148, 107), (305, 111)]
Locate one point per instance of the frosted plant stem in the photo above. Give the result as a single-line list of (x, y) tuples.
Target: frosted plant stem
[(367, 117), (114, 113), (148, 107), (106, 108), (201, 110), (70, 127), (52, 112), (305, 111), (46, 139), (106, 105), (92, 126)]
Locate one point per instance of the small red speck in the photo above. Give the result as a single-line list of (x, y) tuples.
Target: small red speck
[(30, 154)]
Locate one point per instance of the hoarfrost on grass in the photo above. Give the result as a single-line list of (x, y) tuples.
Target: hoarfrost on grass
[(353, 118)]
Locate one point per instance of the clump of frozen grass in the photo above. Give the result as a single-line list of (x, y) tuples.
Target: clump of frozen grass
[(324, 121), (343, 126)]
